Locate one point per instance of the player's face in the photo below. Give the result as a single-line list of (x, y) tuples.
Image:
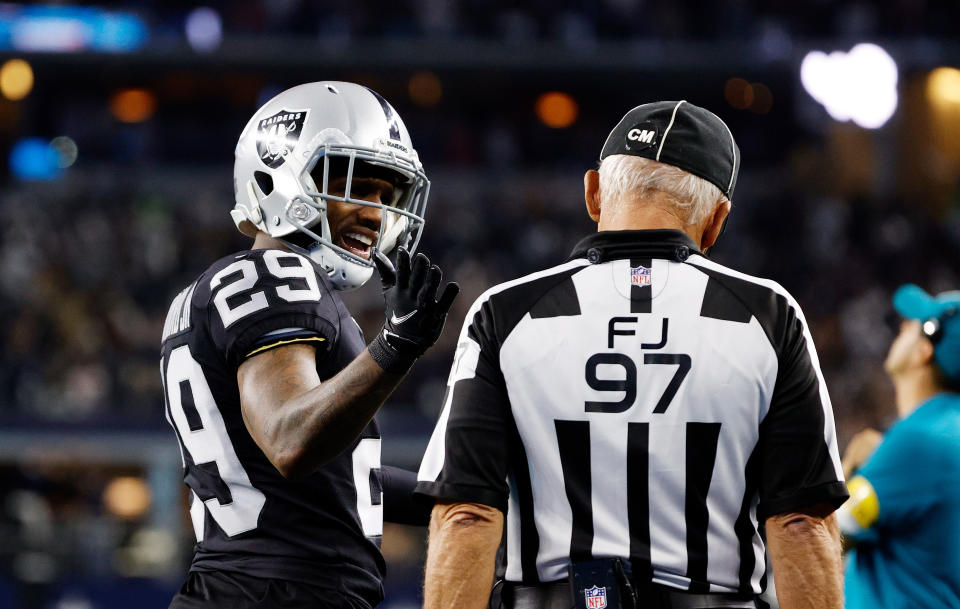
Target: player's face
[(356, 228), (904, 354)]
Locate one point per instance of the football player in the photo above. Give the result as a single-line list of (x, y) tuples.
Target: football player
[(269, 384)]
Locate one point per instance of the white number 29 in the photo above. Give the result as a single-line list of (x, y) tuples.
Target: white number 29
[(209, 442), (257, 301)]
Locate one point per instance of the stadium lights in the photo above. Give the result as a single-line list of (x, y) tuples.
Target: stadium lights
[(35, 158), (32, 159), (133, 105), (204, 29), (943, 86), (556, 109), (127, 497), (859, 85), (16, 79), (744, 95), (425, 89), (67, 150), (70, 29)]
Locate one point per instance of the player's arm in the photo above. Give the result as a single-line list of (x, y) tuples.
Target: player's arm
[(464, 538), (805, 551), (897, 485), (857, 515), (300, 423), (861, 446)]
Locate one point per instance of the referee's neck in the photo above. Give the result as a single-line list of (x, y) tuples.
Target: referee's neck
[(643, 214), (654, 210)]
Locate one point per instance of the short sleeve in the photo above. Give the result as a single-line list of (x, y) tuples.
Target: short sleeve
[(798, 455), (467, 458), (262, 298)]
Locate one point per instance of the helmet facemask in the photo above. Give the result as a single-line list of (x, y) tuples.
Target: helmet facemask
[(401, 220)]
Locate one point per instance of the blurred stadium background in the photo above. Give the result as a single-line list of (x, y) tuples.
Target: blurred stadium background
[(117, 127)]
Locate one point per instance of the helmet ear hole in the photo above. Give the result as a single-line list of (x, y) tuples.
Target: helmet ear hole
[(264, 181)]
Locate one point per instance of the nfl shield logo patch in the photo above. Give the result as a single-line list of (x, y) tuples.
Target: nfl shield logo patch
[(596, 597), (278, 134), (640, 276)]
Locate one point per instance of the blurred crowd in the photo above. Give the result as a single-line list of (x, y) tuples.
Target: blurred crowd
[(573, 21)]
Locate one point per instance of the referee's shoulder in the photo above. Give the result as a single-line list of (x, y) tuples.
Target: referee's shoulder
[(730, 293), (526, 287), (712, 268), (506, 303)]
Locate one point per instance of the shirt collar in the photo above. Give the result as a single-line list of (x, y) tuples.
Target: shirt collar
[(658, 243)]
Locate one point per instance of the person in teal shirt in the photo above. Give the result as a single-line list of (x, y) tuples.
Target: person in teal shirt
[(903, 515)]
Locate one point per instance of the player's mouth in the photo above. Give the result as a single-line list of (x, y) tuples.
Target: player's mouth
[(359, 242)]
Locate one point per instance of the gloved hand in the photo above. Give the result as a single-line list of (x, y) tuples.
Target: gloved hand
[(415, 316)]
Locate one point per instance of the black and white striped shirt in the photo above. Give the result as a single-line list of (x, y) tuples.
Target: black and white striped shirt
[(637, 401)]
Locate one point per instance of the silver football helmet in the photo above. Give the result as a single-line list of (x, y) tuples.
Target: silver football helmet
[(282, 189)]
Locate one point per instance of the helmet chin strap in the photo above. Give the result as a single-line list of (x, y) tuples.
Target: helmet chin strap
[(253, 209), (342, 277), (308, 252), (349, 274)]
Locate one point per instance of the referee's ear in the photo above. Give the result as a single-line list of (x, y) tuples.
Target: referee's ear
[(714, 226), (591, 194)]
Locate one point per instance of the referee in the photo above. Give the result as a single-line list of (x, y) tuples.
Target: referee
[(638, 413)]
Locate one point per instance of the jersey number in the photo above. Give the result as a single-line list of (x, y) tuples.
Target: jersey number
[(235, 298), (366, 458), (628, 384), (217, 478)]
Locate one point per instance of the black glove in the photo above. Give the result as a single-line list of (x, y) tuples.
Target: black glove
[(415, 315)]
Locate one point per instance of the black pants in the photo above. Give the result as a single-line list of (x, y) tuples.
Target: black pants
[(227, 590)]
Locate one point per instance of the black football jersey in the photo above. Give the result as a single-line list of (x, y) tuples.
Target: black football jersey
[(323, 529)]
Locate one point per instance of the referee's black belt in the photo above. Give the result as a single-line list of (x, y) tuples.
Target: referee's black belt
[(557, 595)]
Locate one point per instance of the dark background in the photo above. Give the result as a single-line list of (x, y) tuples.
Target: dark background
[(91, 506)]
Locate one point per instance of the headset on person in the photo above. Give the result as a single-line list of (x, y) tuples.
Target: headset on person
[(932, 328)]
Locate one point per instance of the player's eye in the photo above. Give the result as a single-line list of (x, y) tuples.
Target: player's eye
[(337, 187), (361, 188), (365, 188), (387, 194)]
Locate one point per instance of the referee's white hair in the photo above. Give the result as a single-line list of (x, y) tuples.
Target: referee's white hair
[(625, 177)]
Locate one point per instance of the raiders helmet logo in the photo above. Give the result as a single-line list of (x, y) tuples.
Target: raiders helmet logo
[(278, 134)]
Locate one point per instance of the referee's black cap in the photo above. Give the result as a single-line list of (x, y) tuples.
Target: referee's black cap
[(681, 134)]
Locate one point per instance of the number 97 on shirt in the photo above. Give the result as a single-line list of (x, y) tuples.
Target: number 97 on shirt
[(627, 384)]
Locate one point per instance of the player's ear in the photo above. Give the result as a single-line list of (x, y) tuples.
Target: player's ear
[(715, 224), (591, 193)]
